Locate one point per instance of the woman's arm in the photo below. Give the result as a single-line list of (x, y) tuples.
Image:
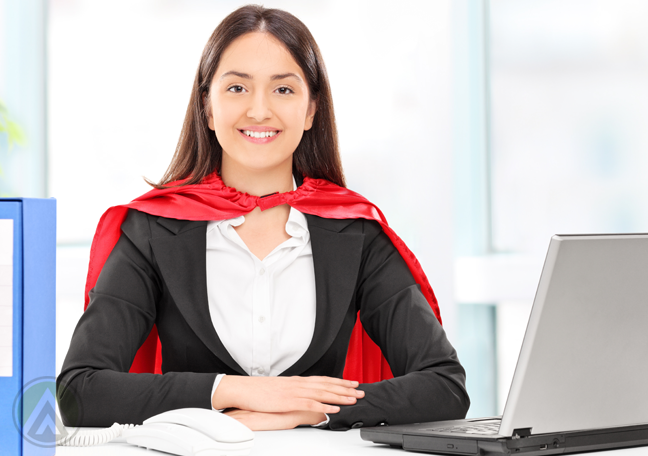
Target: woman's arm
[(429, 382), (95, 387)]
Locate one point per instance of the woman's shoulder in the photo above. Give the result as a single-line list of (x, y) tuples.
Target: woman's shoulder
[(369, 228), (140, 225)]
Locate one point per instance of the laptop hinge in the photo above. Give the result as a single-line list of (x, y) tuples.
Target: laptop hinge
[(521, 433)]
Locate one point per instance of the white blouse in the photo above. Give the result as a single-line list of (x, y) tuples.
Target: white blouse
[(262, 310)]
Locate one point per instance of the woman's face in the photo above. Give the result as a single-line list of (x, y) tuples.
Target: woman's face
[(260, 104)]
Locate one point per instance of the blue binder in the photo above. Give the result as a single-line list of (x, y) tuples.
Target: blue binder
[(27, 325)]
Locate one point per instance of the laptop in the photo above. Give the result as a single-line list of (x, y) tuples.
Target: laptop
[(581, 380)]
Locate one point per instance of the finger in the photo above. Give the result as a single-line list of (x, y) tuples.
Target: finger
[(309, 405), (258, 421), (335, 389), (342, 391), (330, 398), (332, 380)]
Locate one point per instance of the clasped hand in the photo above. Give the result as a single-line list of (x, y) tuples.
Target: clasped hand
[(266, 403)]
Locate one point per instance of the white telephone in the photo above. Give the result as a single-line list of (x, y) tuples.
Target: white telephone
[(184, 432)]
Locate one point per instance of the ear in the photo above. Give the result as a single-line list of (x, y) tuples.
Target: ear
[(208, 110), (310, 115)]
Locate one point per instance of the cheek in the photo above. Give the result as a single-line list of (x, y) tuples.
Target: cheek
[(294, 116), (224, 114)]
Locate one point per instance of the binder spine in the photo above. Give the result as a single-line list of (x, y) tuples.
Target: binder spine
[(27, 390), (11, 380)]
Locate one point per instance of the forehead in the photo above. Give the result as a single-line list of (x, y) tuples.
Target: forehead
[(257, 54)]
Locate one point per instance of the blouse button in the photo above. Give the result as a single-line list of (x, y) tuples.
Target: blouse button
[(261, 319), (262, 271), (261, 371)]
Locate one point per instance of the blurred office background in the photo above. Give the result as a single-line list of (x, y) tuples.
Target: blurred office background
[(480, 128)]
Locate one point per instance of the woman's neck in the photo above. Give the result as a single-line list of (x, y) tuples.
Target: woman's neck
[(261, 231), (258, 183)]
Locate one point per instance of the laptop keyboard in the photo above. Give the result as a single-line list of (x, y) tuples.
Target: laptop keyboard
[(480, 429)]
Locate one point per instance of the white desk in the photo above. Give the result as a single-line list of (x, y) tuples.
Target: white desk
[(297, 442)]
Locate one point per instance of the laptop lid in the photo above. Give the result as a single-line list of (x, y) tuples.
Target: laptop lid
[(584, 359)]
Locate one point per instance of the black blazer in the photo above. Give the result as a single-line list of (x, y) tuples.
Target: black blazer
[(157, 274)]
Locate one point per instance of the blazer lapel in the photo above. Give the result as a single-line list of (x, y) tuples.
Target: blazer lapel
[(182, 262), (336, 258)]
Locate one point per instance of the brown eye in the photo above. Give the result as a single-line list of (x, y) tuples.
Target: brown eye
[(285, 90), (236, 89)]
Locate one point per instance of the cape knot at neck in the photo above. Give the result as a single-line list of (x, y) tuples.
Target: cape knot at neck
[(276, 199)]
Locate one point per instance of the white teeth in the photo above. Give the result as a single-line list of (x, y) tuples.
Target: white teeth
[(260, 134)]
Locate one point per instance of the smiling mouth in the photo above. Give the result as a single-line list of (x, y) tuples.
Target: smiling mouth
[(259, 134)]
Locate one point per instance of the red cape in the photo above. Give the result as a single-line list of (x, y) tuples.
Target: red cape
[(212, 200)]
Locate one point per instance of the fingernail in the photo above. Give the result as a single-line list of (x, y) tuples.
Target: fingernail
[(360, 393), (351, 399)]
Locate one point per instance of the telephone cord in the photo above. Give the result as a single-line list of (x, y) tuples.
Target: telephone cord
[(84, 438)]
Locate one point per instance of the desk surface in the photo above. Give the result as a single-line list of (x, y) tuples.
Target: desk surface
[(313, 442)]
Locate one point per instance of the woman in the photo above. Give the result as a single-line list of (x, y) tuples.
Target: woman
[(252, 261)]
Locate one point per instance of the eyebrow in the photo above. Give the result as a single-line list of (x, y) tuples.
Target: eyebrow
[(274, 77), (236, 73), (284, 76)]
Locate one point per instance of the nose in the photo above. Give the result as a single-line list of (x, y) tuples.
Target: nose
[(259, 109)]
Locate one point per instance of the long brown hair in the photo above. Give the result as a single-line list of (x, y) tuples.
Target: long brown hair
[(198, 152)]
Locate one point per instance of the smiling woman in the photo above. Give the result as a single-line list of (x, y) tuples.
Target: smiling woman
[(251, 261)]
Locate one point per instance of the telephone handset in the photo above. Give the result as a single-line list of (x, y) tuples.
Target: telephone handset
[(193, 431), (184, 432)]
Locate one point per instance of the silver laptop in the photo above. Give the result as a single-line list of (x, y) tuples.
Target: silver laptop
[(581, 381)]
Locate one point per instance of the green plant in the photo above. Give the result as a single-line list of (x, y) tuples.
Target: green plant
[(10, 129)]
